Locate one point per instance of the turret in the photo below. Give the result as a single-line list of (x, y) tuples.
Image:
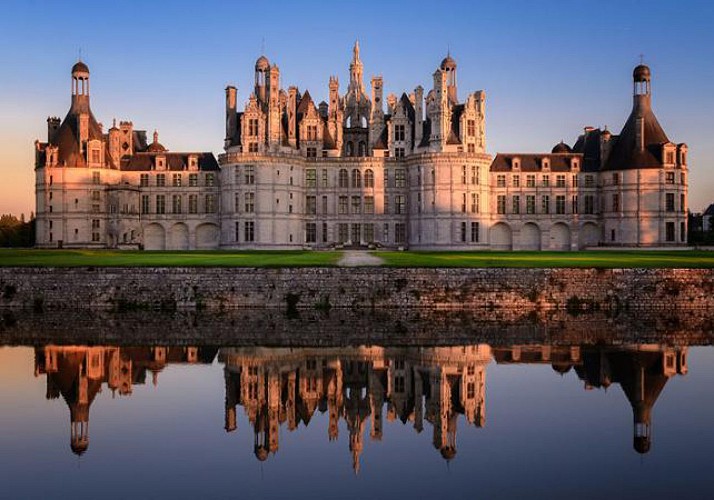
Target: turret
[(448, 66), (231, 115), (376, 119), (262, 66)]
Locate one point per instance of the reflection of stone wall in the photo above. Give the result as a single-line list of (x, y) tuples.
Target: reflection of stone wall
[(575, 290), (250, 327)]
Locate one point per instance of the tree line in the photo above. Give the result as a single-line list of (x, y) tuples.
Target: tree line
[(16, 232)]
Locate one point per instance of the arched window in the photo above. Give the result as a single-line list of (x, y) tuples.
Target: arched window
[(356, 178), (369, 178), (350, 149), (343, 181), (363, 122), (362, 148), (348, 122)]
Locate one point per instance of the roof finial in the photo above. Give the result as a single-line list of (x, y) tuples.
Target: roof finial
[(262, 46), (642, 58), (355, 50), (156, 136), (80, 54)]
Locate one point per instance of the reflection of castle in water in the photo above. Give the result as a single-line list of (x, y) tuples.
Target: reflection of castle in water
[(78, 372), (284, 386)]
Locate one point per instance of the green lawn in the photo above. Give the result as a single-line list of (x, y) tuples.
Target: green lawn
[(599, 259), (207, 258)]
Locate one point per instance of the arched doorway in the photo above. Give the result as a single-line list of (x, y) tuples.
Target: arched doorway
[(589, 235), (178, 237), (501, 237), (530, 237), (560, 237), (207, 236), (154, 237)]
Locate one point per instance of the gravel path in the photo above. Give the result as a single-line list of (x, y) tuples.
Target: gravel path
[(357, 258)]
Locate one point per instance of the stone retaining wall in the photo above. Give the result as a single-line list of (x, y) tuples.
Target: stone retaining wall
[(295, 289)]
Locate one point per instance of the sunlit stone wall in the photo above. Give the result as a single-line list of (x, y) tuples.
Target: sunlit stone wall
[(574, 290)]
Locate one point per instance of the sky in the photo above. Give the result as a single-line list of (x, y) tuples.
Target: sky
[(549, 68)]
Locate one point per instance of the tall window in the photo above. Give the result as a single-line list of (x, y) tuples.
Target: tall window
[(193, 203), (310, 232), (560, 181), (176, 180), (669, 231), (249, 231), (400, 204), (145, 207), (474, 203), (516, 180), (210, 179), (369, 233), (399, 133), (516, 202), (249, 203), (342, 232), (616, 202), (312, 132), (500, 181), (161, 180), (160, 204), (560, 205), (249, 173), (400, 178), (575, 204), (546, 181), (356, 205), (589, 204), (530, 204), (589, 181), (369, 178), (311, 178), (474, 232), (253, 127), (144, 180), (356, 178), (96, 178), (471, 128), (501, 204), (400, 232), (342, 205), (324, 177), (669, 202), (192, 180), (369, 204), (342, 178), (530, 180), (210, 203), (311, 204), (311, 152), (176, 204), (545, 204), (463, 232), (324, 204), (399, 152)]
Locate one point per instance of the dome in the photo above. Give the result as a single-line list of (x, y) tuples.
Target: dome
[(448, 452), (448, 63), (561, 368), (80, 67), (156, 147), (79, 447), (262, 63), (641, 444), (261, 453), (641, 73), (561, 147)]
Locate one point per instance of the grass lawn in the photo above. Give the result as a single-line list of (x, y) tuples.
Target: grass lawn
[(207, 258), (598, 258)]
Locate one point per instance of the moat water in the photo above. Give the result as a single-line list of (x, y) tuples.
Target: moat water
[(529, 407)]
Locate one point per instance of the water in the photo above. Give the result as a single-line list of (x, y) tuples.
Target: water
[(545, 418)]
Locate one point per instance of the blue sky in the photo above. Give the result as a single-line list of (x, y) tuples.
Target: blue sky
[(548, 68)]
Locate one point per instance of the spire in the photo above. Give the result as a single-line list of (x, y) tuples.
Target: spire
[(356, 70), (355, 51), (156, 136)]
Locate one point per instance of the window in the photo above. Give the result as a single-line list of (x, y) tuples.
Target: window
[(475, 174), (236, 202), (669, 156), (516, 181), (560, 181), (95, 156), (160, 204), (400, 232), (343, 179), (312, 133), (400, 178), (96, 178), (530, 181), (669, 231), (385, 232), (176, 204), (210, 179), (96, 195), (516, 202), (253, 147), (356, 205), (144, 180), (311, 152), (669, 178), (575, 204), (96, 224), (253, 127), (589, 204), (589, 181), (669, 202), (324, 232), (342, 205), (161, 180), (356, 236), (249, 231), (530, 204), (193, 203), (145, 208), (501, 181), (369, 178), (545, 204), (546, 181), (470, 390), (501, 204), (311, 178), (471, 148), (192, 180), (463, 232), (463, 174), (237, 235), (369, 204), (463, 203), (682, 232), (471, 128), (249, 173), (310, 232), (369, 233), (400, 204), (95, 236), (95, 208), (682, 207), (399, 133), (386, 178), (616, 202), (474, 203), (399, 153), (324, 204), (474, 232), (210, 203), (575, 181), (249, 203), (342, 232), (616, 178), (324, 177), (560, 205), (356, 178), (176, 180), (311, 204)]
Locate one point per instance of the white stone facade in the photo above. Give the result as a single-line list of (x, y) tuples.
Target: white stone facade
[(350, 173)]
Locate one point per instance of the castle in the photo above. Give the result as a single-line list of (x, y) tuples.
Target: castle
[(352, 172)]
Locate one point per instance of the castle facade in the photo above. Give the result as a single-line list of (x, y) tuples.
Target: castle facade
[(356, 171)]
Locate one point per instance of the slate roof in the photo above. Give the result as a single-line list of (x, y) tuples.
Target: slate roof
[(175, 162), (530, 162)]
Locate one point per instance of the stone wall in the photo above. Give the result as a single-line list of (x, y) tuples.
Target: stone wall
[(496, 292)]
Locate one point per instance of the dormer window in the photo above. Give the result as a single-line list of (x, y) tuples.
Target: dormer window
[(546, 163), (575, 164), (516, 163)]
